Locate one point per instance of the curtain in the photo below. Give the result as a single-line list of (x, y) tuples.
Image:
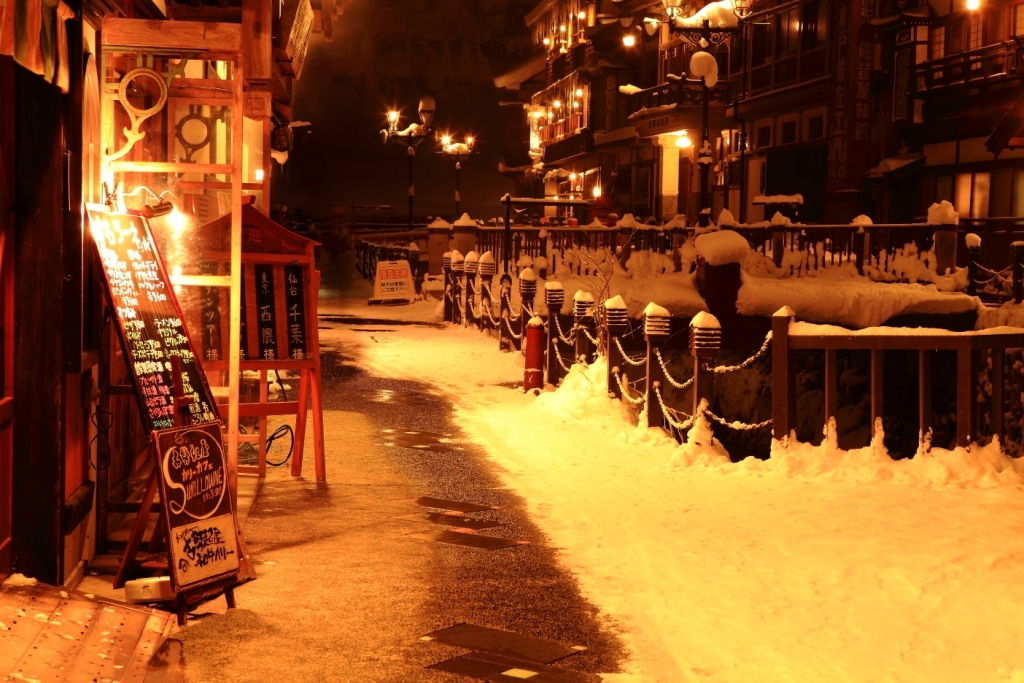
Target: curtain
[(33, 32)]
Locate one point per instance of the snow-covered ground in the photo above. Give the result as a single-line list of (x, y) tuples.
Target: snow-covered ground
[(817, 565)]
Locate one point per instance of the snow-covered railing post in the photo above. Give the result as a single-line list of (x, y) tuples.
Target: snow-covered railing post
[(705, 342), (415, 266), (504, 313), (860, 244), (554, 297), (472, 265), (1017, 249), (945, 219), (783, 375), (973, 243), (656, 330), (457, 268), (616, 322), (437, 245), (447, 270), (486, 269), (583, 321), (527, 293), (533, 345)]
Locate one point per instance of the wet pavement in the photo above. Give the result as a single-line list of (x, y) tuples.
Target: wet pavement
[(356, 572)]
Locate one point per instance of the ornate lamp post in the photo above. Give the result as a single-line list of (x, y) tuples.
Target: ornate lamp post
[(457, 150), (411, 137)]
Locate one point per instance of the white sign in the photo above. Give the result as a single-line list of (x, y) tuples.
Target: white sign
[(204, 550), (393, 284)]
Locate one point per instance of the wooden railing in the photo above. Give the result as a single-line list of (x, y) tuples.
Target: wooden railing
[(679, 93), (973, 65)]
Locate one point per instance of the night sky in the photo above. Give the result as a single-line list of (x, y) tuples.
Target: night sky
[(388, 53)]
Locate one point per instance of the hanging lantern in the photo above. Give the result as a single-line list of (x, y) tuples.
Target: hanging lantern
[(742, 8)]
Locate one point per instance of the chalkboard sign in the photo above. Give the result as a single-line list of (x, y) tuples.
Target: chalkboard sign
[(193, 484), (266, 311), (149, 320), (295, 304)]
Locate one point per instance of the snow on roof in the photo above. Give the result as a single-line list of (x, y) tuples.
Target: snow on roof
[(942, 213), (553, 286), (839, 298), (779, 199), (528, 275), (615, 303), (465, 222), (705, 321), (627, 221), (654, 310), (779, 219), (862, 220), (805, 329), (718, 14), (722, 247), (894, 163), (784, 312), (678, 221), (440, 223), (581, 295), (488, 257)]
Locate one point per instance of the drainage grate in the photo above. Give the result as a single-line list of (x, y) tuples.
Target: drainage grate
[(464, 539), (451, 520), (442, 504), (498, 669), (504, 643)]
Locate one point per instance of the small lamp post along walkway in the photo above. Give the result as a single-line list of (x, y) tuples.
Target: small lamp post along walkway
[(411, 137), (457, 150)]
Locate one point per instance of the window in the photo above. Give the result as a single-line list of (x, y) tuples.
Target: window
[(1018, 189), (971, 194), (974, 37), (788, 133), (1017, 27), (815, 127), (995, 25), (811, 33), (944, 188), (764, 136), (937, 46), (902, 80)]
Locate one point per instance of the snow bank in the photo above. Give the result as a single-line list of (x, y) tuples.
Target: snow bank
[(722, 247), (615, 303), (942, 214), (19, 580), (841, 299), (718, 14), (629, 89), (862, 220), (779, 199), (725, 218)]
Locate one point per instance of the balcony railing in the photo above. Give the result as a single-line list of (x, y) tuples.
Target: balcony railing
[(681, 93), (788, 69), (1000, 59)]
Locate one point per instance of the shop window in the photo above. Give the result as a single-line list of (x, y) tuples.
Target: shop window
[(788, 132), (937, 43), (764, 137), (815, 127), (1017, 27), (971, 194), (1018, 190)]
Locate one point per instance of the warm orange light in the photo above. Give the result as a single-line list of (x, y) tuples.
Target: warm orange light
[(583, 15), (973, 4), (446, 140), (629, 40), (469, 140), (392, 117), (562, 28), (547, 41), (597, 191), (558, 104), (683, 141), (259, 175), (579, 92)]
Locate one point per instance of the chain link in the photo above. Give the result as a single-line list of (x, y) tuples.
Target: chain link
[(753, 359), (508, 327), (625, 394), (671, 380), (668, 412), (558, 326), (739, 426)]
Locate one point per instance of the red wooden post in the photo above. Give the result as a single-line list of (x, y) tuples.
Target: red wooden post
[(783, 375), (616, 322), (533, 375), (527, 293), (656, 331), (554, 298)]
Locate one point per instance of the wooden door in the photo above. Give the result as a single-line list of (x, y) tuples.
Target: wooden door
[(6, 309)]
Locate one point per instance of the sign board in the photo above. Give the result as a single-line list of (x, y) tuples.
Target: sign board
[(393, 283), (149, 320), (193, 484)]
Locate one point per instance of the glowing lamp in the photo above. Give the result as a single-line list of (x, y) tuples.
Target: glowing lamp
[(583, 15), (562, 28), (161, 208), (537, 114), (973, 4), (392, 117), (673, 8), (629, 40), (597, 191), (558, 104), (547, 41), (177, 220), (259, 175), (446, 140), (683, 142), (742, 8), (579, 92), (470, 140)]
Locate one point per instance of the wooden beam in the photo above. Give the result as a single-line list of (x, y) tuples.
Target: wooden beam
[(998, 404), (172, 35), (783, 378), (924, 391), (964, 398), (831, 385), (169, 167), (877, 386), (257, 47), (953, 341)]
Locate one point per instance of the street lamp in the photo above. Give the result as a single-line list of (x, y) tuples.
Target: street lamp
[(411, 137), (451, 148)]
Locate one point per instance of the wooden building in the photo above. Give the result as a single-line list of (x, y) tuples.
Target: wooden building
[(64, 429)]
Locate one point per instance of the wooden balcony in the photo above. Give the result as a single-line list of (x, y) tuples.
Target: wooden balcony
[(989, 64), (661, 98)]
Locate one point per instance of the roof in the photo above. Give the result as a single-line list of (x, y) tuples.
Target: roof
[(893, 164), (921, 15), (260, 234), (1009, 132), (522, 72)]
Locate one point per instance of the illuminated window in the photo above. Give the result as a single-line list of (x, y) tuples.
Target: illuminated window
[(788, 133), (974, 37), (1017, 26), (971, 194), (937, 48)]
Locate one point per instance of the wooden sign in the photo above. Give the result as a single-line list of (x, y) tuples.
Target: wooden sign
[(149, 320), (393, 284), (295, 305), (193, 482)]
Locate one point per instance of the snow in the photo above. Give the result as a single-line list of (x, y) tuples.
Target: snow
[(816, 565), (457, 256), (718, 14), (465, 222), (862, 220), (615, 303), (805, 329), (487, 257), (703, 64), (528, 275), (627, 221), (629, 89), (779, 220), (653, 310), (535, 322), (678, 221), (440, 224), (840, 298), (581, 295), (779, 199), (725, 218), (942, 214), (705, 321), (972, 240), (722, 247), (19, 580), (553, 286)]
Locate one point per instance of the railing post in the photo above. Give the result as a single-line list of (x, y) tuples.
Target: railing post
[(998, 416), (778, 246), (533, 344), (437, 245), (831, 384), (964, 396), (486, 269), (554, 297), (583, 318), (705, 342), (945, 248), (973, 256), (504, 292), (458, 266), (472, 265), (616, 322), (448, 289), (859, 244), (527, 293), (783, 375), (656, 330), (414, 265), (877, 386), (1017, 249), (924, 391)]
